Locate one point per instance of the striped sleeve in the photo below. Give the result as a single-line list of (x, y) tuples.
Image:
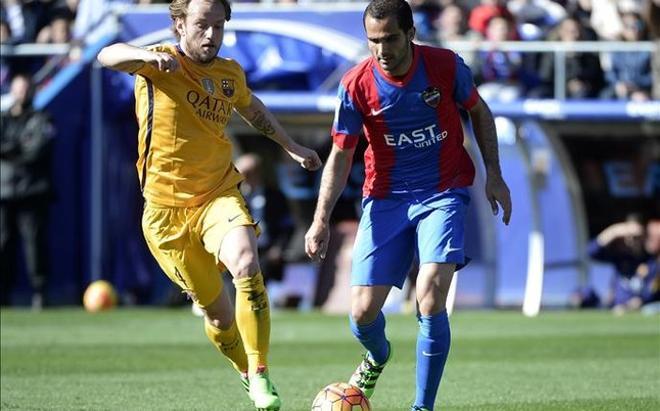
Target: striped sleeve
[(465, 92), (347, 124)]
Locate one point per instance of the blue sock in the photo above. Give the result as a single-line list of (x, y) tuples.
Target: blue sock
[(372, 337), (433, 340)]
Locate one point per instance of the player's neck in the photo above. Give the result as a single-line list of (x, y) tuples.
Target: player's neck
[(181, 48), (403, 74), (406, 66)]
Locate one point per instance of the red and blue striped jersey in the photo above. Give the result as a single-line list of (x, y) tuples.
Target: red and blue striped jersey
[(412, 123)]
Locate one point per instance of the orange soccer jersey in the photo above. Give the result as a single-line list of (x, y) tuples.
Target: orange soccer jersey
[(184, 156)]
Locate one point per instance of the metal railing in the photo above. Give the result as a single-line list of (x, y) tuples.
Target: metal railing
[(54, 54), (559, 48)]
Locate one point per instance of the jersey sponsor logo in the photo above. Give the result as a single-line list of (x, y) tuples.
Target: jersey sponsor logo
[(209, 108), (432, 96), (375, 112), (208, 85), (227, 87), (233, 218), (420, 138)]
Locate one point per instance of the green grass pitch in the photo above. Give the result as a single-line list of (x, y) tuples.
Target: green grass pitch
[(158, 359)]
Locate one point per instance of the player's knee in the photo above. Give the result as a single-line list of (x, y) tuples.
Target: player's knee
[(219, 318), (246, 265), (220, 322), (363, 314), (432, 304)]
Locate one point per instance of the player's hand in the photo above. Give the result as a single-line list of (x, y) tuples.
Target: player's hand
[(498, 192), (162, 61), (307, 158), (316, 240)]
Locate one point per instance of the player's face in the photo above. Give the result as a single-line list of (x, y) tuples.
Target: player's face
[(202, 30), (389, 45)]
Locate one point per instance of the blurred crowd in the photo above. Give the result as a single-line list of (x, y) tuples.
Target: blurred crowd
[(502, 74), (508, 75)]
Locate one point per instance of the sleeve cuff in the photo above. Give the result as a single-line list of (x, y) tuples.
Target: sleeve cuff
[(344, 141), (472, 100)]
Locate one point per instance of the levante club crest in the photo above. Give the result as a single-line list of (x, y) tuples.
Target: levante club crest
[(432, 96), (208, 85), (227, 87)]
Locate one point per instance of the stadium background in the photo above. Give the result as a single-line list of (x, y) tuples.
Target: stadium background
[(574, 166)]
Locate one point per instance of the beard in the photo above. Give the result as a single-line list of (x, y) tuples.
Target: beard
[(200, 54)]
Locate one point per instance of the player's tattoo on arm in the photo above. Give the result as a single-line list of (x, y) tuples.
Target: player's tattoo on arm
[(486, 136), (260, 121)]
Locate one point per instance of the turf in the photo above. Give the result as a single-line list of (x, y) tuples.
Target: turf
[(152, 359)]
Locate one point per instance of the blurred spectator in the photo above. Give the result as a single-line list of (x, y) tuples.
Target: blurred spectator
[(534, 18), (584, 76), (27, 18), (5, 38), (652, 16), (581, 11), (606, 16), (482, 14), (269, 209), (650, 270), (584, 297), (62, 14), (424, 13), (634, 250), (499, 72), (5, 30), (452, 25), (25, 162), (12, 15), (629, 75), (605, 19), (89, 15)]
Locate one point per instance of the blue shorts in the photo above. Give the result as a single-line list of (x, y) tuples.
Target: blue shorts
[(393, 230)]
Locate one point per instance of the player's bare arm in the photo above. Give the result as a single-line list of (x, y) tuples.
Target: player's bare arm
[(262, 120), (127, 58), (333, 182), (484, 130)]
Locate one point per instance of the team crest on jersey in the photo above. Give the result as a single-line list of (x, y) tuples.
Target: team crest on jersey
[(432, 96), (227, 87), (208, 85)]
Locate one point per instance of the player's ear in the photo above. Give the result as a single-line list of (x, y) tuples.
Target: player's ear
[(180, 26), (411, 33)]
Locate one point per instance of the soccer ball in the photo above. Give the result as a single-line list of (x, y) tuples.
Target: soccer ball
[(340, 396), (99, 296)]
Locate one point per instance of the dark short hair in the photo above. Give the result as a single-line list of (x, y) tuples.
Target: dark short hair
[(382, 9)]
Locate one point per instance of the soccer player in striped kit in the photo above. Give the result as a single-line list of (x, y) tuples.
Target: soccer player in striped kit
[(406, 99), (195, 221)]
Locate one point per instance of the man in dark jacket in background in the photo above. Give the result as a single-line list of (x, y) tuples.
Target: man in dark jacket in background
[(25, 189)]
